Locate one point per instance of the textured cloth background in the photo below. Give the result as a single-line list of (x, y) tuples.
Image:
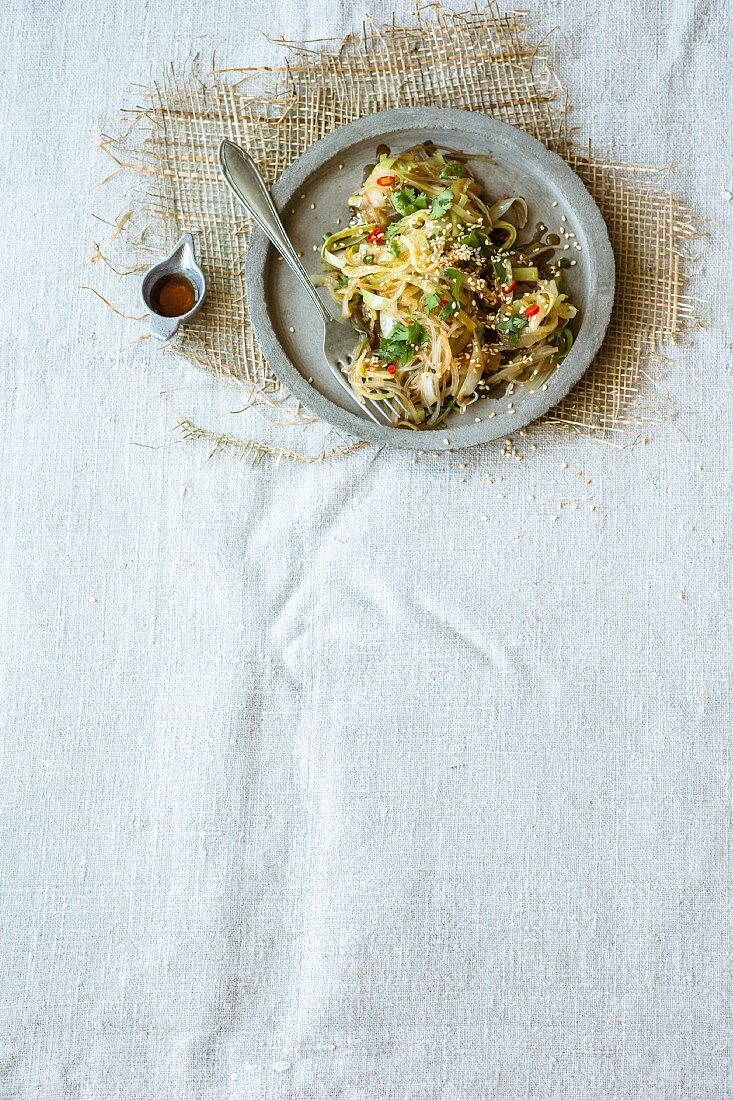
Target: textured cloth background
[(315, 783)]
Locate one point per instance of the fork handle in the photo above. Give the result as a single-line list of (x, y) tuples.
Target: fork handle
[(245, 180)]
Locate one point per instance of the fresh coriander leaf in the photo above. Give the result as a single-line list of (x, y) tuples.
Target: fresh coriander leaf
[(392, 228), (453, 170), (432, 302), (455, 278), (441, 204), (393, 247), (500, 270), (449, 311), (476, 238), (510, 326), (401, 342), (408, 200), (343, 280)]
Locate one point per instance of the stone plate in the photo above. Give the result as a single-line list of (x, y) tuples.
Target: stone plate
[(312, 193)]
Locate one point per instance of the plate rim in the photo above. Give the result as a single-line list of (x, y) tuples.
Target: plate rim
[(585, 213)]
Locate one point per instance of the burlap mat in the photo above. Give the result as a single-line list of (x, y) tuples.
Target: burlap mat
[(480, 61)]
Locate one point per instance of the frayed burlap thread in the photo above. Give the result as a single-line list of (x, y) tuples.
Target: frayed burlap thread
[(481, 60)]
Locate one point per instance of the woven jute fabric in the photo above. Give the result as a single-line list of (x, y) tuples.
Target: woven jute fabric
[(482, 60)]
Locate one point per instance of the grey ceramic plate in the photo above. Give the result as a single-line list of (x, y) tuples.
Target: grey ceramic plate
[(312, 193)]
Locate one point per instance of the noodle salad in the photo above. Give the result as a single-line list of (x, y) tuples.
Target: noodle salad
[(446, 302)]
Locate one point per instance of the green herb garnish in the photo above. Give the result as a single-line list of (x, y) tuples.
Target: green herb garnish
[(564, 261), (511, 326), (500, 270), (432, 302), (394, 247), (401, 342), (408, 200), (476, 238), (452, 170), (454, 278), (441, 204)]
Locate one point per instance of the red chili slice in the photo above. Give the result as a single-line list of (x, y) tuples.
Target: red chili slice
[(386, 181), (391, 369), (510, 288), (530, 311)]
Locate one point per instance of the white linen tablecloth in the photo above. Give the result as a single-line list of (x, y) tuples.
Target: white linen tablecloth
[(315, 782)]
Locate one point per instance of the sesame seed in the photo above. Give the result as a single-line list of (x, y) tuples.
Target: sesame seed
[(313, 206), (566, 465), (571, 234), (510, 412), (447, 442), (341, 167), (683, 596), (492, 415), (461, 465), (293, 210), (303, 195), (554, 204), (315, 247), (573, 263), (579, 247), (291, 329), (566, 247), (478, 420), (563, 218)]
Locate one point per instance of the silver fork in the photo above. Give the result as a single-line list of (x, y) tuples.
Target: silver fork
[(245, 180)]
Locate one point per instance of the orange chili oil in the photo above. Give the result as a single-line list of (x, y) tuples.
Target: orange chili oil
[(173, 295)]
